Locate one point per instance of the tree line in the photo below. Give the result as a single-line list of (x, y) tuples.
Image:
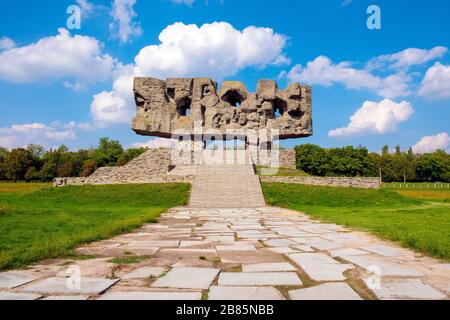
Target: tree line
[(33, 163), (398, 166)]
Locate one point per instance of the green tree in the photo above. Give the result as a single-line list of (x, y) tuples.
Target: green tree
[(108, 152), (17, 163), (3, 154), (129, 155), (312, 159), (89, 166)]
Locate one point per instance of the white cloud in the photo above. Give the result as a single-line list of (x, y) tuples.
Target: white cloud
[(108, 107), (436, 83), (407, 58), (375, 118), (73, 59), (87, 8), (323, 71), (215, 50), (156, 143), (20, 135), (123, 27), (429, 144), (6, 43)]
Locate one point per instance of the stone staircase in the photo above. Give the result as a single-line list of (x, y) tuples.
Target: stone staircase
[(226, 186)]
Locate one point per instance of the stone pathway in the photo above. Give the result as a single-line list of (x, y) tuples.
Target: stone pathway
[(260, 253)]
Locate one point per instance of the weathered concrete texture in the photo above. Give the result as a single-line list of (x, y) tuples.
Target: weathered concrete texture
[(66, 286), (320, 267), (243, 293), (12, 279), (142, 295), (165, 106), (409, 289), (259, 279), (5, 295), (327, 291), (356, 182), (187, 278)]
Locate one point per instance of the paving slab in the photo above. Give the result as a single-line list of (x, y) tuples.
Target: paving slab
[(259, 279), (70, 298), (187, 278), (244, 293), (280, 243), (385, 267), (142, 295), (144, 272), (12, 279), (406, 289), (346, 252), (236, 248), (383, 250), (265, 267), (320, 267), (154, 243), (65, 286), (326, 291), (7, 295)]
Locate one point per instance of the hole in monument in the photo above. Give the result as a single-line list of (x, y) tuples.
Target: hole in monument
[(234, 98), (279, 108), (171, 93), (295, 113), (184, 107)]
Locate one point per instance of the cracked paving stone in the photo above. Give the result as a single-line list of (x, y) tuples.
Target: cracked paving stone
[(67, 286), (259, 279), (386, 268), (244, 293), (406, 289), (320, 267), (326, 291), (142, 295), (144, 272), (266, 267), (12, 279), (187, 278)]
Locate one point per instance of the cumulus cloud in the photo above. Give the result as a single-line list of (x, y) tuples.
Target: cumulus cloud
[(20, 135), (73, 59), (123, 26), (429, 144), (375, 118), (436, 83), (6, 43), (156, 143), (323, 71), (407, 58), (215, 50)]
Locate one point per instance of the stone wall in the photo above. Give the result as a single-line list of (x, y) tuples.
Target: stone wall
[(288, 159), (150, 167), (356, 182)]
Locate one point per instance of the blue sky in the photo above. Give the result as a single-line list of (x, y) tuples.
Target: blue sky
[(73, 86)]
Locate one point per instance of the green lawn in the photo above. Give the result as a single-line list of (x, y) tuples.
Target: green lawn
[(50, 222), (423, 225)]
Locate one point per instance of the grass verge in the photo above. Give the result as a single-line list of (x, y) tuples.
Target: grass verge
[(415, 223), (49, 223)]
